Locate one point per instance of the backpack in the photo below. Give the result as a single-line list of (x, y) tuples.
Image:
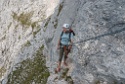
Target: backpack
[(72, 32)]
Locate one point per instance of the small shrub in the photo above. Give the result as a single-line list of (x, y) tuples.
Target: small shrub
[(35, 32), (16, 26), (56, 23), (23, 18), (69, 80), (60, 8), (27, 44), (97, 82), (34, 24), (19, 37), (46, 24), (2, 71), (9, 25)]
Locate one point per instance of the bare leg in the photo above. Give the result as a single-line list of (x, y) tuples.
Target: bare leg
[(59, 65), (60, 59), (65, 58)]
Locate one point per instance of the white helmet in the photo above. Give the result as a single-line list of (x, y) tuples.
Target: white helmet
[(67, 26)]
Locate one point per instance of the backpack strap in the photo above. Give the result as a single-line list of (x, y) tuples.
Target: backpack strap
[(70, 36), (61, 37), (61, 34)]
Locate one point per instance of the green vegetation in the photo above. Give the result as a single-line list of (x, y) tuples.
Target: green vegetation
[(16, 26), (3, 38), (27, 44), (60, 8), (25, 19), (115, 82), (97, 82), (19, 37), (46, 24), (14, 15), (9, 25), (34, 24), (35, 32), (2, 71), (69, 80), (56, 23), (30, 70), (64, 73)]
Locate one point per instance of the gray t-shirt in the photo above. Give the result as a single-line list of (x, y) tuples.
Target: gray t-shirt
[(65, 40)]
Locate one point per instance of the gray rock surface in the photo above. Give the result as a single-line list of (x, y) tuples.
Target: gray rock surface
[(21, 34), (98, 53)]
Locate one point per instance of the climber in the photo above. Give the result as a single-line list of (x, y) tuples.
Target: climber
[(65, 44)]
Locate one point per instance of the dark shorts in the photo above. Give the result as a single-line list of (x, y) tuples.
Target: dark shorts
[(63, 52)]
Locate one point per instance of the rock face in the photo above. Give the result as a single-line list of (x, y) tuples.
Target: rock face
[(98, 53), (21, 33)]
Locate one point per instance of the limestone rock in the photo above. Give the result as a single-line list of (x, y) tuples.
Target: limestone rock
[(98, 53), (98, 50)]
